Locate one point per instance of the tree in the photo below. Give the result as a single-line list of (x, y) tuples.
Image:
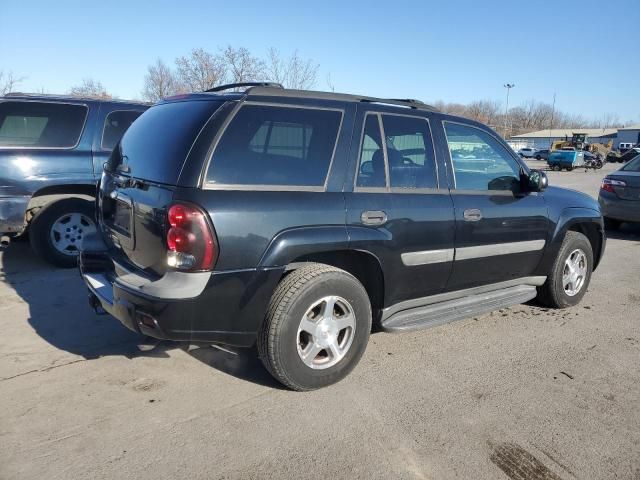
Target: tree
[(90, 88), (292, 72), (200, 70), (160, 82), (242, 66), (8, 82)]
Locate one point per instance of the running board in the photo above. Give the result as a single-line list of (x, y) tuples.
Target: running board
[(448, 311)]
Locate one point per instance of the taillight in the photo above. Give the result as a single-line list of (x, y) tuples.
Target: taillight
[(191, 240), (608, 185)]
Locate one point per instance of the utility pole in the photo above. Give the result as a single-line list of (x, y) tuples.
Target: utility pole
[(553, 112), (508, 86)]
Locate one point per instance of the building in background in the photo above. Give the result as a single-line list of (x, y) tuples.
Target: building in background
[(544, 138), (630, 134)]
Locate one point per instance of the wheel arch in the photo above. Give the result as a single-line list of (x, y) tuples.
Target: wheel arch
[(48, 195), (363, 265)]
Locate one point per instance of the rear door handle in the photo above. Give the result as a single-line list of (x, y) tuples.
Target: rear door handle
[(373, 217), (472, 215)]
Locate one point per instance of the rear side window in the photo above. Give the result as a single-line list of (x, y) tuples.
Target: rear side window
[(279, 146), (156, 145), (116, 123), (39, 124), (409, 152)]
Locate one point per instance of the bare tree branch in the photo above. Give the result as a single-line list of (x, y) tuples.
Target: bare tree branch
[(160, 82), (201, 70), (292, 72), (90, 88), (8, 82), (242, 66)]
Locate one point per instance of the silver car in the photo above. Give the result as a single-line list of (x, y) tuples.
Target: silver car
[(620, 195)]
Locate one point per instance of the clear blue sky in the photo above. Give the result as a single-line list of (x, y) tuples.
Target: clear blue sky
[(458, 51)]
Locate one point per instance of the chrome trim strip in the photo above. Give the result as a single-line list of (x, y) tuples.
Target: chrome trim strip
[(443, 297), (481, 251), (427, 257)]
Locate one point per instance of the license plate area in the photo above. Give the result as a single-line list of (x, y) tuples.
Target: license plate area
[(122, 217)]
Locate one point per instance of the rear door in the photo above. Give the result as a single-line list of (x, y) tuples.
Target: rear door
[(501, 231), (44, 143), (396, 206)]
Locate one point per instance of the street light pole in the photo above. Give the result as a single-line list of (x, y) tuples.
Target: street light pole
[(508, 86)]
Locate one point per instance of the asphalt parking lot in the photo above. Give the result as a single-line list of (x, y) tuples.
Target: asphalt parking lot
[(521, 393)]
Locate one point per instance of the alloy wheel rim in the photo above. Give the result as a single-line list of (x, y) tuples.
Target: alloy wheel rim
[(68, 232), (574, 272), (326, 332)]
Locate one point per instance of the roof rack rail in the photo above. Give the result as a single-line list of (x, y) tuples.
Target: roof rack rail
[(221, 88), (414, 104)]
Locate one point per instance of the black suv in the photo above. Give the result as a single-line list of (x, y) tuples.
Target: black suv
[(296, 219)]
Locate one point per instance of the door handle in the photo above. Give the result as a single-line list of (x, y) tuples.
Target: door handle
[(472, 215), (373, 217)]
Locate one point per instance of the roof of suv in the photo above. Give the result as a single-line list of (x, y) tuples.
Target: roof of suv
[(264, 89), (55, 97)]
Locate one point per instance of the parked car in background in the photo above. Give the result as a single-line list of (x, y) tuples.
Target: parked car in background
[(293, 220), (623, 157), (619, 196), (542, 154), (624, 147), (51, 153), (527, 152)]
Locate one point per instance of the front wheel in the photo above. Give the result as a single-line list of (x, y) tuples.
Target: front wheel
[(57, 231), (316, 329), (570, 275)]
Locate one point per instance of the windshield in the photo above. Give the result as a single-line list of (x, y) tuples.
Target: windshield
[(633, 165)]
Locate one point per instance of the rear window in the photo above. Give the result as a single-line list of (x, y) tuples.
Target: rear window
[(39, 124), (156, 145), (279, 146), (116, 123)]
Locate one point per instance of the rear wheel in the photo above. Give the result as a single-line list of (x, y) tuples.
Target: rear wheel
[(570, 275), (57, 231), (316, 329), (556, 168)]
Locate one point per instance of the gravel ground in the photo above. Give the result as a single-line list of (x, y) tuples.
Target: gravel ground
[(521, 393)]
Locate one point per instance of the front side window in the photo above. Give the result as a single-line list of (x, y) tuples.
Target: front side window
[(409, 152), (37, 124), (480, 162), (116, 123), (270, 145)]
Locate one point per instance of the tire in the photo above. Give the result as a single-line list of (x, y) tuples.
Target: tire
[(49, 228), (282, 339), (556, 168), (611, 224), (538, 157), (553, 293)]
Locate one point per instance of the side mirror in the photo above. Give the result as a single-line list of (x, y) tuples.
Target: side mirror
[(538, 181)]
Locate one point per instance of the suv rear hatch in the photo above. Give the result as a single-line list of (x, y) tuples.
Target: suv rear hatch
[(140, 178)]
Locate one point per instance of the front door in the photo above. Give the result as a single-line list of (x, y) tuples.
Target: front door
[(397, 209), (501, 231)]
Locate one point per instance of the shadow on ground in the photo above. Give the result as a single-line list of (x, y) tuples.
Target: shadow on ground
[(59, 313), (627, 231)]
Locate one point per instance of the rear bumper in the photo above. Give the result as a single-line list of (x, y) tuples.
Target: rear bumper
[(221, 307), (12, 214), (618, 209)]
